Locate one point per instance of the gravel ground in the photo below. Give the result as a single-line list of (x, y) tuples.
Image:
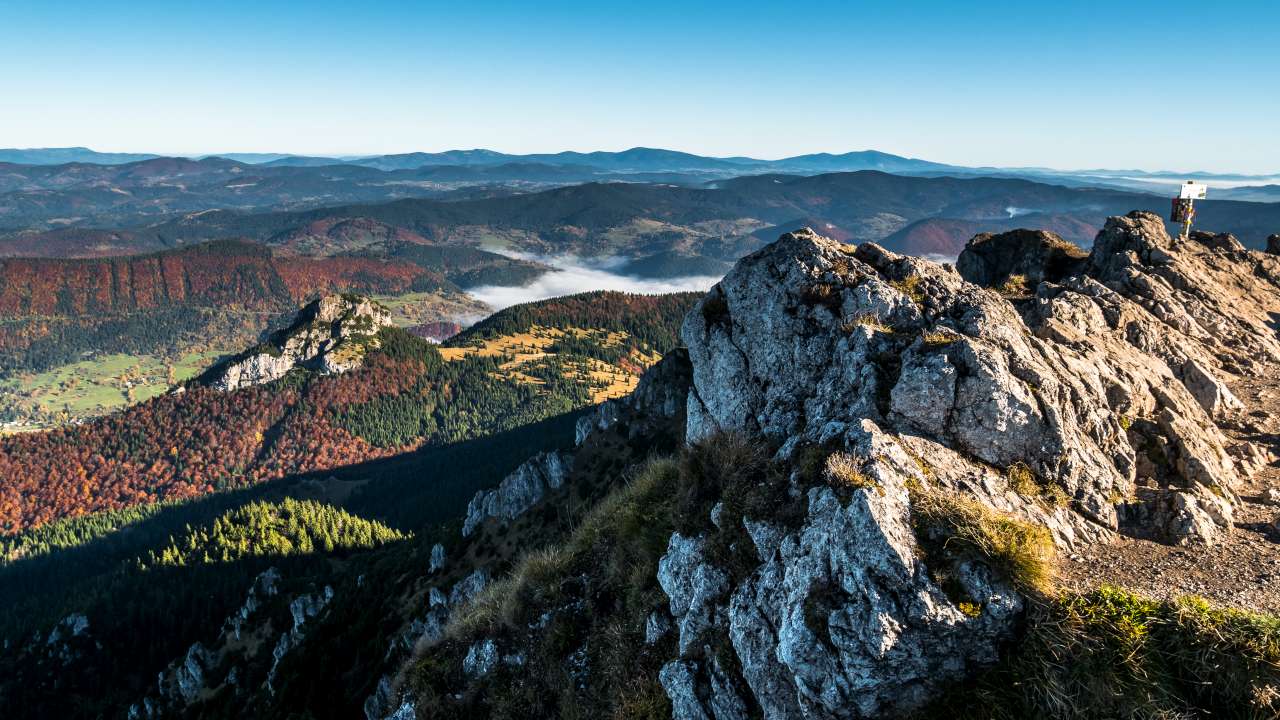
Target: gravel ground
[(1244, 570)]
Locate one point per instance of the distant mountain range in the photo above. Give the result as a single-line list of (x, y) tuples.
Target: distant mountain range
[(627, 161), (640, 160), (654, 226)]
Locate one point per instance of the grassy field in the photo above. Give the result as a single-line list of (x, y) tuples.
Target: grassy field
[(94, 387), (527, 352), (426, 307), (106, 383)]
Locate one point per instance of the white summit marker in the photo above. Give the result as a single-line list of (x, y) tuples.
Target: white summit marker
[(1184, 209)]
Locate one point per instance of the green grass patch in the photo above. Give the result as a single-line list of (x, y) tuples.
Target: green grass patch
[(1111, 653), (97, 386)]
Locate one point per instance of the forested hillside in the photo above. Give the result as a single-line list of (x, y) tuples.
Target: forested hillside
[(52, 311), (719, 220), (79, 337), (405, 396), (162, 515)]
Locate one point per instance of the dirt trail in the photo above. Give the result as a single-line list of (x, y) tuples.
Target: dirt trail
[(1244, 570)]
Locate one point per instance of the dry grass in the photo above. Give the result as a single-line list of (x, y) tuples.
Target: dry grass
[(937, 339), (1022, 480), (500, 604), (866, 320), (1015, 286), (911, 287), (1111, 653), (1023, 552), (842, 472), (628, 524), (522, 353)]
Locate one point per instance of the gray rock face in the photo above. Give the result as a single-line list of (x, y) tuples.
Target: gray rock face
[(385, 703), (264, 586), (693, 586), (330, 335), (1107, 372), (657, 403), (790, 347), (481, 658), (187, 677), (437, 557), (71, 626), (519, 491), (1031, 256), (301, 609), (691, 700), (656, 626)]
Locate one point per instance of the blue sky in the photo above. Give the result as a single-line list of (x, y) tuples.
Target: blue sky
[(1192, 85)]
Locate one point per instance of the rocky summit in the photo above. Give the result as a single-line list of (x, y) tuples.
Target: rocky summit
[(329, 335), (855, 419)]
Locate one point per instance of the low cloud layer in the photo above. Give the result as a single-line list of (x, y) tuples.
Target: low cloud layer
[(572, 276)]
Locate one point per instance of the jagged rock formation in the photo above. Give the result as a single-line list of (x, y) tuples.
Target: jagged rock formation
[(330, 335), (1086, 405), (387, 701), (301, 609), (1029, 257), (1105, 379), (205, 667), (519, 491)]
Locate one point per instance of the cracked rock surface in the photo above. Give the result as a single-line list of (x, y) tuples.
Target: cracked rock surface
[(1095, 402)]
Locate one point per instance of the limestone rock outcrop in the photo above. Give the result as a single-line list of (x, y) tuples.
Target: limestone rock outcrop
[(1028, 257), (519, 491), (1090, 407), (330, 336), (1088, 404)]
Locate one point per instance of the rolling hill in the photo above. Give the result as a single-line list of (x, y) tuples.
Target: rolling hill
[(80, 337), (720, 221)]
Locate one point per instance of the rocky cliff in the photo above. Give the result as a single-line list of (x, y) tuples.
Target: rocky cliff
[(329, 335), (882, 456)]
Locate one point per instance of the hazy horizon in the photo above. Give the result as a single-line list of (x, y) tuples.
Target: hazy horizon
[(1062, 86), (358, 156)]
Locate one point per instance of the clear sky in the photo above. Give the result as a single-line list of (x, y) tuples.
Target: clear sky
[(1177, 84)]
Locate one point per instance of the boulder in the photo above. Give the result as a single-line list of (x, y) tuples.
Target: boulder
[(437, 558), (1022, 258), (481, 658)]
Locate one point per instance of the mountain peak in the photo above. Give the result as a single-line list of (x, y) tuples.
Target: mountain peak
[(896, 450), (330, 335)]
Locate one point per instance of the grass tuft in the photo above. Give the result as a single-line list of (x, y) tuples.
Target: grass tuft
[(1023, 480), (911, 287), (867, 320), (937, 339), (1022, 551), (1015, 286), (842, 473)]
